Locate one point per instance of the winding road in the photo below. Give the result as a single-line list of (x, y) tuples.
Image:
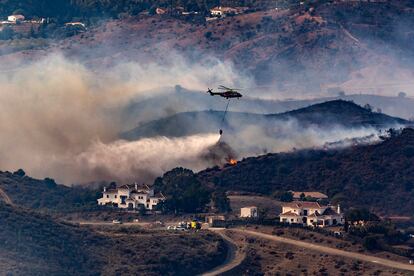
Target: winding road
[(234, 255)]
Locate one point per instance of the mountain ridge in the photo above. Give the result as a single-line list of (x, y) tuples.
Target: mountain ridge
[(336, 112)]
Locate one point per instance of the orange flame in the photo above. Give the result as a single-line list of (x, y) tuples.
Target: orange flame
[(232, 162)]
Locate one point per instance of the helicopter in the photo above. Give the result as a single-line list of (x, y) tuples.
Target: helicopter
[(227, 92)]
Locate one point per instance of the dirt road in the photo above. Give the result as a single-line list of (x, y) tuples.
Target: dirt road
[(104, 223), (329, 250), (5, 197), (234, 255)]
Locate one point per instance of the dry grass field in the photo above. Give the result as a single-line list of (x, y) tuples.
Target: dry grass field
[(264, 257)]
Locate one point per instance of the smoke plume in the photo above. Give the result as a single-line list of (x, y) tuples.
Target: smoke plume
[(61, 119), (144, 159)]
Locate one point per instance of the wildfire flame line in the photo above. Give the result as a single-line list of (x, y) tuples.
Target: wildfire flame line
[(232, 162)]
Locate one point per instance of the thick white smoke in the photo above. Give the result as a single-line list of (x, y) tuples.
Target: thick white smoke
[(60, 119), (144, 159), (53, 111), (290, 135)]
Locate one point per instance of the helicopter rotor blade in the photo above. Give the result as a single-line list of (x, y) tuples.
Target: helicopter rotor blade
[(222, 87)]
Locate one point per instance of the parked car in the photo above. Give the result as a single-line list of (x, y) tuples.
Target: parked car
[(181, 229), (116, 221)]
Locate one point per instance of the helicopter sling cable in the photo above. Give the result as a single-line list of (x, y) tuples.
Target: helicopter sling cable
[(224, 117)]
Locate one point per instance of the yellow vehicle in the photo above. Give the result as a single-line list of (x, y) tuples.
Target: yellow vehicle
[(195, 225)]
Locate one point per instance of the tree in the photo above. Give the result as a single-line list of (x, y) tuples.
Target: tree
[(283, 196), (183, 191), (141, 209), (50, 182), (32, 33), (368, 107), (152, 11), (20, 172), (221, 202), (6, 33), (402, 94), (208, 35), (363, 214), (371, 242)]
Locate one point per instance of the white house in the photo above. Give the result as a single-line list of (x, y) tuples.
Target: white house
[(76, 24), (249, 212), (131, 196), (222, 11), (15, 18), (311, 214)]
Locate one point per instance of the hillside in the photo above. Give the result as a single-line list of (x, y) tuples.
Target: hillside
[(299, 50), (340, 112), (45, 194), (32, 244), (332, 113), (379, 177), (170, 102)]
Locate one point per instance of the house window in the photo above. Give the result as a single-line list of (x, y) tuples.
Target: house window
[(107, 196), (123, 199), (305, 212), (292, 220), (116, 196)]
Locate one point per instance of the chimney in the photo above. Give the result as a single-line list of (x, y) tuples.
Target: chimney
[(104, 189), (338, 209), (136, 186)]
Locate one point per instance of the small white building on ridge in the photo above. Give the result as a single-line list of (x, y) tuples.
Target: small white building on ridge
[(311, 214), (131, 196), (15, 18)]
